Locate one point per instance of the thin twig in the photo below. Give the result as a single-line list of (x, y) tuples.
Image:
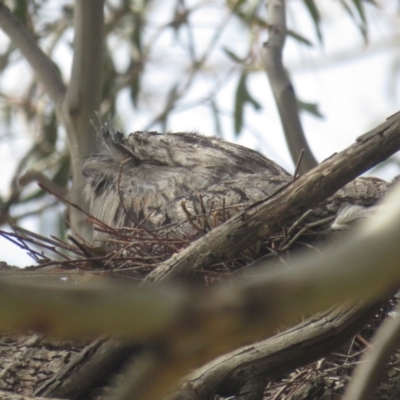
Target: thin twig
[(306, 227), (55, 242), (101, 223), (298, 164), (206, 225), (190, 218)]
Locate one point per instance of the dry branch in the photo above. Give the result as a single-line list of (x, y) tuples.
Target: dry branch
[(267, 216), (268, 359)]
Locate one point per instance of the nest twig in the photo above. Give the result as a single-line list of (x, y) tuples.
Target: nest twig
[(134, 252)]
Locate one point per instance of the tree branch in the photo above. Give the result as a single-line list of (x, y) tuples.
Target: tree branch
[(267, 216), (82, 100), (276, 356), (45, 70), (83, 95), (282, 88), (73, 379)]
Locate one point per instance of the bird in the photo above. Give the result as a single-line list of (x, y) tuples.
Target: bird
[(154, 180)]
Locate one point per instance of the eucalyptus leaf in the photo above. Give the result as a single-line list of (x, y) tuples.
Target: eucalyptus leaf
[(315, 16), (310, 108), (299, 38), (216, 118), (242, 97), (234, 57)]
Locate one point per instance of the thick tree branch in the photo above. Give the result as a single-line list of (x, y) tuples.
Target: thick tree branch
[(83, 94), (276, 356), (94, 363), (267, 216), (82, 99), (282, 88), (45, 70), (73, 380)]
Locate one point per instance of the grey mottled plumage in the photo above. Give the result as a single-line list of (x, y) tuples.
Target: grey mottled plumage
[(153, 173)]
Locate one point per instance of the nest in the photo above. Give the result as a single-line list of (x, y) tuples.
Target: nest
[(132, 253)]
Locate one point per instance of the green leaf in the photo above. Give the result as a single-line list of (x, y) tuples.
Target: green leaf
[(299, 38), (216, 117), (109, 78), (314, 13), (137, 30), (311, 108), (363, 25), (257, 106), (233, 56), (135, 88), (347, 8), (242, 97), (360, 8), (361, 22)]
